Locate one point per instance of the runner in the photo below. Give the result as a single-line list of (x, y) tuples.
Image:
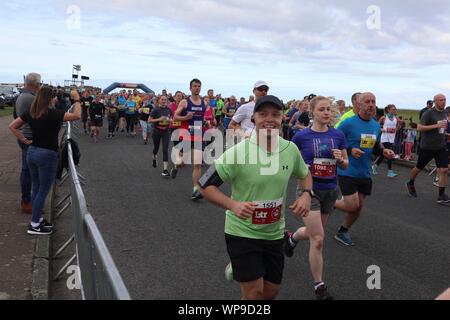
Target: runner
[(229, 111), (112, 109), (191, 112), (144, 113), (96, 112), (122, 100), (86, 102), (160, 117), (433, 144), (255, 216), (362, 134), (241, 122), (218, 111), (351, 113), (387, 139), (323, 149), (130, 115), (174, 126)]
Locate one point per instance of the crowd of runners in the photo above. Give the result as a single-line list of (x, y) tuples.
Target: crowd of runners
[(332, 153)]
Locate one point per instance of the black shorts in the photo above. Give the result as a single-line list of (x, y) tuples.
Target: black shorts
[(440, 156), (97, 123), (121, 113), (253, 259), (350, 186)]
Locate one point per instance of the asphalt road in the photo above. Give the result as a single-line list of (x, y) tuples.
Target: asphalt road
[(168, 247)]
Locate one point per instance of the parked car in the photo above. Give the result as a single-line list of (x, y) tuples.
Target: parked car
[(9, 95)]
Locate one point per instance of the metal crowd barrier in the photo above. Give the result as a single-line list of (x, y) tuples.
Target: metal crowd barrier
[(99, 277)]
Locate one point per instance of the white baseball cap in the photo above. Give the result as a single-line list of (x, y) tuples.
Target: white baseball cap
[(260, 84)]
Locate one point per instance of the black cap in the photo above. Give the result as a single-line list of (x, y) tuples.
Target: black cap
[(272, 100), (430, 102)]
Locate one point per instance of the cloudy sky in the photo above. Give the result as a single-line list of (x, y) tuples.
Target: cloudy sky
[(399, 50)]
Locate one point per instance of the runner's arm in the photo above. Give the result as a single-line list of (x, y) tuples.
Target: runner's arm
[(181, 107)]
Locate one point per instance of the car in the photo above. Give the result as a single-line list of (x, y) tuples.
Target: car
[(9, 94)]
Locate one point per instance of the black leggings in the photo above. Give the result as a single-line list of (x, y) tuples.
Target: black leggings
[(380, 159), (131, 119), (112, 123), (163, 135)]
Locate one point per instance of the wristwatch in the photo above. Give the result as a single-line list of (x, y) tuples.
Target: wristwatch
[(310, 192)]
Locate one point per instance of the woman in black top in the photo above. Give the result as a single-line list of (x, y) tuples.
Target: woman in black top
[(42, 156), (160, 117)]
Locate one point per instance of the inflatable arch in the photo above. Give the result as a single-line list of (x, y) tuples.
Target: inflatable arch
[(116, 85)]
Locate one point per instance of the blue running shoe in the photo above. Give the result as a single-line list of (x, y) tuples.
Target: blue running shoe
[(375, 170), (344, 238), (391, 174)]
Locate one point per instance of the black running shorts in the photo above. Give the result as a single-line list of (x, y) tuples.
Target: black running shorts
[(440, 156), (253, 259), (351, 186)]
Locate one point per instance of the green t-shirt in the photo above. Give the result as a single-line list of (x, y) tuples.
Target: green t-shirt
[(257, 176), (346, 115), (219, 107)]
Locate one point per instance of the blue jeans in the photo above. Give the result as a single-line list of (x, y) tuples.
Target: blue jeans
[(42, 164), (25, 177)]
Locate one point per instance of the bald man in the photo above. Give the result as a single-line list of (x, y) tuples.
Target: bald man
[(433, 145), (362, 133)]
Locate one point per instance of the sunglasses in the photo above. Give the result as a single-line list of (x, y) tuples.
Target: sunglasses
[(261, 89)]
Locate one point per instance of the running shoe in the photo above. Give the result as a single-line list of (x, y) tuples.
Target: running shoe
[(196, 195), (443, 199), (39, 230), (288, 248), (229, 272), (391, 174), (46, 224), (411, 190), (154, 163), (344, 238), (165, 174), (173, 172), (375, 170), (436, 182), (145, 141), (322, 293)]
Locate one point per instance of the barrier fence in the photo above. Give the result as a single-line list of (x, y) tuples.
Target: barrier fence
[(98, 275)]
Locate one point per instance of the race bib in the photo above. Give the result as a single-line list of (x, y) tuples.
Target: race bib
[(194, 129), (176, 123), (87, 104), (267, 212), (146, 110), (112, 110), (121, 107), (130, 109), (368, 141), (323, 168), (98, 116), (163, 123)]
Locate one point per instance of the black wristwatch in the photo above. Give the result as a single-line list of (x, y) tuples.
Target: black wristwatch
[(310, 192)]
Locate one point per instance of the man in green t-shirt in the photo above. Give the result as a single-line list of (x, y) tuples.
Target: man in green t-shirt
[(258, 169), (218, 111), (351, 113)]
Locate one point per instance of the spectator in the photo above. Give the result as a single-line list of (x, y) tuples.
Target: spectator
[(42, 155), (23, 104)]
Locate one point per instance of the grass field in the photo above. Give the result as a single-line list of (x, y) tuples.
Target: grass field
[(7, 111), (406, 114)]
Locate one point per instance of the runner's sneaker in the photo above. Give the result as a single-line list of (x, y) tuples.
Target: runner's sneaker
[(411, 190), (46, 224), (391, 174), (288, 248), (173, 172), (39, 230), (375, 170), (344, 238), (229, 272), (145, 141), (443, 199), (436, 182), (154, 163), (165, 174), (196, 195), (322, 293)]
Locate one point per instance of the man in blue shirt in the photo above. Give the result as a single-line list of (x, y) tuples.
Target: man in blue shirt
[(362, 133)]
